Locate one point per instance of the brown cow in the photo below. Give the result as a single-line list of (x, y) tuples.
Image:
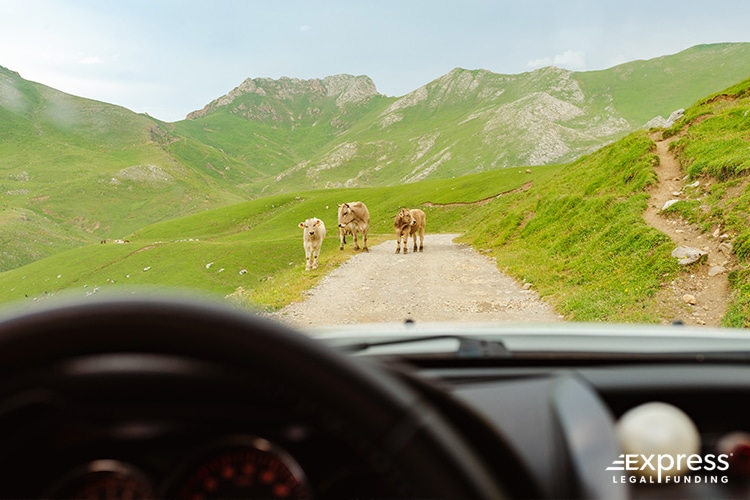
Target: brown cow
[(402, 223), (354, 218), (312, 238), (409, 223)]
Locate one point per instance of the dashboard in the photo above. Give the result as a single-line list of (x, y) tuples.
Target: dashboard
[(151, 436), (561, 420), (143, 419), (168, 431)]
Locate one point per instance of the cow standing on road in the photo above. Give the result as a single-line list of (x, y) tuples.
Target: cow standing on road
[(354, 218), (312, 238), (410, 223)]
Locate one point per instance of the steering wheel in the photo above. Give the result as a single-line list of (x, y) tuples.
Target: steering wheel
[(399, 434)]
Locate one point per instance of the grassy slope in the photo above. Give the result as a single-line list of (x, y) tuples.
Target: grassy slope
[(582, 241), (580, 238), (59, 157), (681, 78), (714, 148)]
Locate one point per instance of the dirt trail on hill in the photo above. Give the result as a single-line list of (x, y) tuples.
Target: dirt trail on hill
[(446, 282), (710, 294)]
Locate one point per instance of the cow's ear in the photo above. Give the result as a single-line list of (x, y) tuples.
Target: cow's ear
[(317, 222), (301, 224)]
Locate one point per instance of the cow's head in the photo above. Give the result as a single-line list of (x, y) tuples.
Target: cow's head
[(404, 218), (310, 225), (346, 214)]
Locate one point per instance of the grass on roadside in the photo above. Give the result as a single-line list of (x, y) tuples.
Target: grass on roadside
[(580, 238)]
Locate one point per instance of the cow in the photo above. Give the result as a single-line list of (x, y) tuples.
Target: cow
[(312, 238), (409, 223), (354, 218)]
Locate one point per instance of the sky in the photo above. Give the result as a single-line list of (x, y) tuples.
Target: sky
[(170, 57)]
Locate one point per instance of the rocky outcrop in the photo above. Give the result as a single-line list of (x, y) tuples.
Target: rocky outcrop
[(660, 122), (344, 89)]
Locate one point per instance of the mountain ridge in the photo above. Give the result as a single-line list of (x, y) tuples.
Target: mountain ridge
[(346, 88), (549, 115)]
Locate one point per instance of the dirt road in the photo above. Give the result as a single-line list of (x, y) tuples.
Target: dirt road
[(446, 282)]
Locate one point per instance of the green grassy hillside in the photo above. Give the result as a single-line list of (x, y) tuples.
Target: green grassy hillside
[(575, 231), (581, 238), (83, 171), (641, 90)]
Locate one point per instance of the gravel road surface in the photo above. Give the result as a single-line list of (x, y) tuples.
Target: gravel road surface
[(446, 282)]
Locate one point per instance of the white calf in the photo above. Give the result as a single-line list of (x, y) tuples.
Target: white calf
[(312, 238)]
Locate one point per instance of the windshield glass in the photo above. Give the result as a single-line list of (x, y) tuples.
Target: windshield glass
[(522, 165)]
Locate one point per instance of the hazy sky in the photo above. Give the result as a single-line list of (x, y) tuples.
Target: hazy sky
[(170, 57)]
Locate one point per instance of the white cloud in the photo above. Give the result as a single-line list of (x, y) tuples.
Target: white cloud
[(571, 59), (305, 27)]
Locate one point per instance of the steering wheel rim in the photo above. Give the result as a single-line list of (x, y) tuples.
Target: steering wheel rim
[(399, 433)]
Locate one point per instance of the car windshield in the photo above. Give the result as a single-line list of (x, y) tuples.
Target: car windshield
[(333, 164)]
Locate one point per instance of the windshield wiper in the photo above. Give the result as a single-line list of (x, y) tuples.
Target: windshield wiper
[(468, 347)]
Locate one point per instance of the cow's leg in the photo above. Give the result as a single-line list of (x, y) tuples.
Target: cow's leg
[(421, 240), (356, 240), (306, 246), (315, 260), (364, 241), (342, 238)]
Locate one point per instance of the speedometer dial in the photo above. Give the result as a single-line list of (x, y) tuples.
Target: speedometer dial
[(242, 468)]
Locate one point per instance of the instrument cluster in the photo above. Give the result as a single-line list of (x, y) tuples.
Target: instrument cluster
[(186, 465), (217, 452), (233, 467)]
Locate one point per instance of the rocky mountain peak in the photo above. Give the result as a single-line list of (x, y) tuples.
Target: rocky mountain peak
[(346, 89)]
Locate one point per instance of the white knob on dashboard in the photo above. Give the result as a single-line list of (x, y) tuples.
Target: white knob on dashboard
[(659, 437)]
